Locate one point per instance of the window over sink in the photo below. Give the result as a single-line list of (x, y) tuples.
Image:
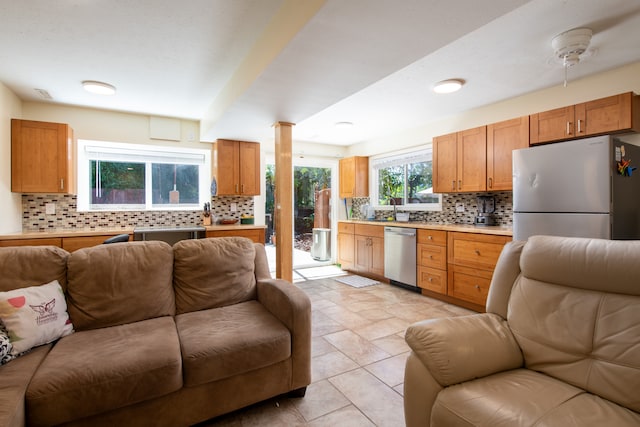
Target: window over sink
[(404, 180), (118, 176)]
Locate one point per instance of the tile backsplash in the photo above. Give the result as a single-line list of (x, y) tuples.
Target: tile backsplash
[(503, 209), (35, 218)]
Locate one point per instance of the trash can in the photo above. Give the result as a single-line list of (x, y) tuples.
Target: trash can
[(321, 246)]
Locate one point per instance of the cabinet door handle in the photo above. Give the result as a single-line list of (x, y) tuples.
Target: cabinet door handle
[(579, 126), (459, 184), (490, 182), (62, 183), (242, 188), (236, 188), (568, 128), (453, 185)]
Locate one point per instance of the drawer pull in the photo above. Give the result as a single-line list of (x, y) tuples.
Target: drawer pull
[(477, 252), (477, 287), (430, 237), (430, 256), (431, 279)]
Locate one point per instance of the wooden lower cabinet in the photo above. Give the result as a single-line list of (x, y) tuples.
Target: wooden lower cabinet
[(470, 284), (55, 241), (346, 245), (471, 260), (369, 250), (432, 260), (255, 234)]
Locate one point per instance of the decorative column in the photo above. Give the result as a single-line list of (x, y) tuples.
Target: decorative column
[(283, 221)]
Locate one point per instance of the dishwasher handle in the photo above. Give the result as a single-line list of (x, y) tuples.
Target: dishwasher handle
[(400, 231)]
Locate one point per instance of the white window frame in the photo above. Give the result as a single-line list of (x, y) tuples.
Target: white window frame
[(395, 159), (89, 150)]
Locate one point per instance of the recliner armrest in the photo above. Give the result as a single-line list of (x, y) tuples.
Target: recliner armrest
[(458, 349), (292, 307)]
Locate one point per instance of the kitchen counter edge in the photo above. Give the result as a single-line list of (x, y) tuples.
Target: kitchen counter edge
[(497, 230), (86, 232)]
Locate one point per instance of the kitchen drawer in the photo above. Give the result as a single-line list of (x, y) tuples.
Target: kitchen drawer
[(469, 284), (432, 237), (432, 279), (54, 241), (369, 230), (347, 228), (255, 234), (432, 256), (475, 250)]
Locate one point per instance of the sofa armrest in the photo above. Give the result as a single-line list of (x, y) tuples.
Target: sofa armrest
[(293, 308), (458, 349)]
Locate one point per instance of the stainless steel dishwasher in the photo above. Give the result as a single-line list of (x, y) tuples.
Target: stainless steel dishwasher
[(400, 256)]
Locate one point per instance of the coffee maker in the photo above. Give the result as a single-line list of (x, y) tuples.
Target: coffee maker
[(486, 207)]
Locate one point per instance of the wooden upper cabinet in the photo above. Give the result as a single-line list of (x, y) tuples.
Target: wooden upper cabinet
[(613, 114), (460, 161), (502, 139), (444, 163), (472, 159), (552, 125), (42, 157), (236, 167), (354, 177), (616, 113)]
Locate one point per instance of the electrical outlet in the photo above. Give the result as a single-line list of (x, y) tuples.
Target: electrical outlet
[(459, 207), (50, 208), (233, 207)]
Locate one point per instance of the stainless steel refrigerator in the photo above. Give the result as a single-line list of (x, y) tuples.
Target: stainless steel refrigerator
[(575, 189)]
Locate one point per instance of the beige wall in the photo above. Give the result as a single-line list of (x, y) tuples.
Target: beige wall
[(11, 212), (110, 126), (623, 79)]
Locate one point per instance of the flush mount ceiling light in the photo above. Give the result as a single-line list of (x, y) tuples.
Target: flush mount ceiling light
[(570, 45), (448, 86), (99, 88), (343, 125)]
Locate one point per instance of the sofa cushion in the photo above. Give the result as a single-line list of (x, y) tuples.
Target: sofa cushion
[(112, 285), (14, 379), (24, 266), (222, 342), (525, 398), (592, 342), (213, 272), (34, 316), (94, 371)]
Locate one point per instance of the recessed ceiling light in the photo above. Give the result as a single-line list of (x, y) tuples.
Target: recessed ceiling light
[(448, 86), (343, 125), (99, 88)]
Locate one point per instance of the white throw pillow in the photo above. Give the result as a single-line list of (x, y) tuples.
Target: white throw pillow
[(34, 316), (5, 345)]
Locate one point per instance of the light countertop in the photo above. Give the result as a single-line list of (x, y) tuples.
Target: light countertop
[(498, 230), (99, 231)]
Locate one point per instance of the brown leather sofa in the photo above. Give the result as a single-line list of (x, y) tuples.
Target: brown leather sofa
[(559, 344), (164, 336)]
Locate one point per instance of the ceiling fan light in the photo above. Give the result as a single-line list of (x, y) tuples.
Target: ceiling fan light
[(448, 86), (99, 88), (568, 46)]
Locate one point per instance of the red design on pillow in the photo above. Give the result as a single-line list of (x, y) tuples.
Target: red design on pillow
[(17, 302)]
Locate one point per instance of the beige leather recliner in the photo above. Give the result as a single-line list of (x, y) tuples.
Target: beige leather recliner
[(559, 344)]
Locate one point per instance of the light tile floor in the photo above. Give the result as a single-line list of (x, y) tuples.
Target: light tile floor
[(358, 357)]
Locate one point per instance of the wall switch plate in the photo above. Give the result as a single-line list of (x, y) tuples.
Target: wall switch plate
[(233, 207), (50, 208), (459, 207)]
